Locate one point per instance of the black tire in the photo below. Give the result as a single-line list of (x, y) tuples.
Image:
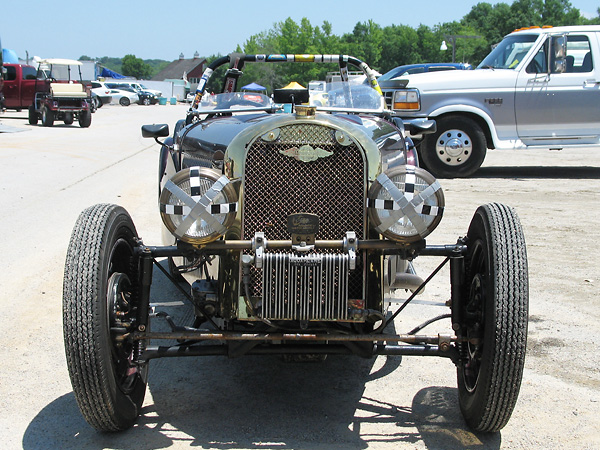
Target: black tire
[(85, 118), (456, 149), (68, 118), (495, 312), (124, 101), (95, 104), (100, 300), (33, 117), (47, 116), (146, 101)]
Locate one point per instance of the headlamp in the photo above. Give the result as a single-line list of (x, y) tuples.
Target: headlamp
[(405, 204), (198, 205), (407, 99)]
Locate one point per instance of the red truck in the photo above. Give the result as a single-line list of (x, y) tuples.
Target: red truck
[(19, 85)]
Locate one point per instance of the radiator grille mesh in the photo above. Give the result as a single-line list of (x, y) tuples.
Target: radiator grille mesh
[(276, 185)]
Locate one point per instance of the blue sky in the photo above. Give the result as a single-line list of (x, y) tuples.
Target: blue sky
[(161, 29)]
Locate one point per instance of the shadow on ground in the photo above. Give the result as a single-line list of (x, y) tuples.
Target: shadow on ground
[(264, 402), (546, 172)]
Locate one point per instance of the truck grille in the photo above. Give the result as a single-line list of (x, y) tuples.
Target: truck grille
[(277, 185)]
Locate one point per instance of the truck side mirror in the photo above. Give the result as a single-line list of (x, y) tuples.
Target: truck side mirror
[(558, 53)]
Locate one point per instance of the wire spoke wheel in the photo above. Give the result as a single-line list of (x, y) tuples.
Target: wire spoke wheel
[(494, 318)]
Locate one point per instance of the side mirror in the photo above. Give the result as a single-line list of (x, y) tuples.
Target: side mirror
[(559, 46), (558, 53), (155, 130)]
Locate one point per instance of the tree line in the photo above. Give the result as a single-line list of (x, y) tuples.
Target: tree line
[(384, 48)]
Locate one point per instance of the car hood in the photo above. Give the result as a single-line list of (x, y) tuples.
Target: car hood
[(449, 80), (214, 135)]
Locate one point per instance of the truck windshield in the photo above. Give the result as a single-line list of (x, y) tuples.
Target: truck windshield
[(509, 53)]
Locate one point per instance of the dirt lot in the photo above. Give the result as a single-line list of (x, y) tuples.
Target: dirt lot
[(51, 174)]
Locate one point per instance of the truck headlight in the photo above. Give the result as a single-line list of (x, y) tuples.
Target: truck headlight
[(198, 205), (405, 204), (406, 99)]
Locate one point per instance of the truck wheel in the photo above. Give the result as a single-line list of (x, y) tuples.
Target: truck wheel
[(100, 302), (85, 118), (494, 318), (456, 149), (47, 116), (124, 101), (68, 118), (33, 117)]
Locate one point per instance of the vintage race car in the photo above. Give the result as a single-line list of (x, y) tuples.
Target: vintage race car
[(292, 224)]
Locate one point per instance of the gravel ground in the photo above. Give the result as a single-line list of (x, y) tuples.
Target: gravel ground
[(51, 174)]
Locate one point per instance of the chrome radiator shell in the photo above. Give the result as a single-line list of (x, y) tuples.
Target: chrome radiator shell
[(240, 164)]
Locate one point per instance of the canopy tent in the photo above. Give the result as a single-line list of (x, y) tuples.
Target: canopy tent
[(107, 73), (9, 56), (293, 85), (254, 87)]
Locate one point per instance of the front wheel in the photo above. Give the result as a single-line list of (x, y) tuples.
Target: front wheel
[(124, 101), (33, 117), (68, 118), (456, 149), (494, 318), (101, 308)]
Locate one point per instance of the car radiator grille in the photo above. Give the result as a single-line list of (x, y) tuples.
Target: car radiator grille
[(332, 187)]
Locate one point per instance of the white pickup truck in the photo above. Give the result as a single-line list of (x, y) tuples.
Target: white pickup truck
[(538, 88)]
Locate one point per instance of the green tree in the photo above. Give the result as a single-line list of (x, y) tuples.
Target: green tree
[(365, 42), (386, 48), (135, 67), (399, 47)]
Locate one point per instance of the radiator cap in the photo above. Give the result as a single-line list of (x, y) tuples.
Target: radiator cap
[(305, 111)]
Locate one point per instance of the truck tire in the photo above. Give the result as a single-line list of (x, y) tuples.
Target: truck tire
[(100, 300), (47, 116), (33, 117), (493, 317), (456, 149)]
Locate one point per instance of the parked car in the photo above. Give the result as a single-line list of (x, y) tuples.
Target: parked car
[(103, 96), (409, 69), (144, 97), (60, 97), (135, 84), (290, 229), (147, 98), (141, 87), (123, 98)]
